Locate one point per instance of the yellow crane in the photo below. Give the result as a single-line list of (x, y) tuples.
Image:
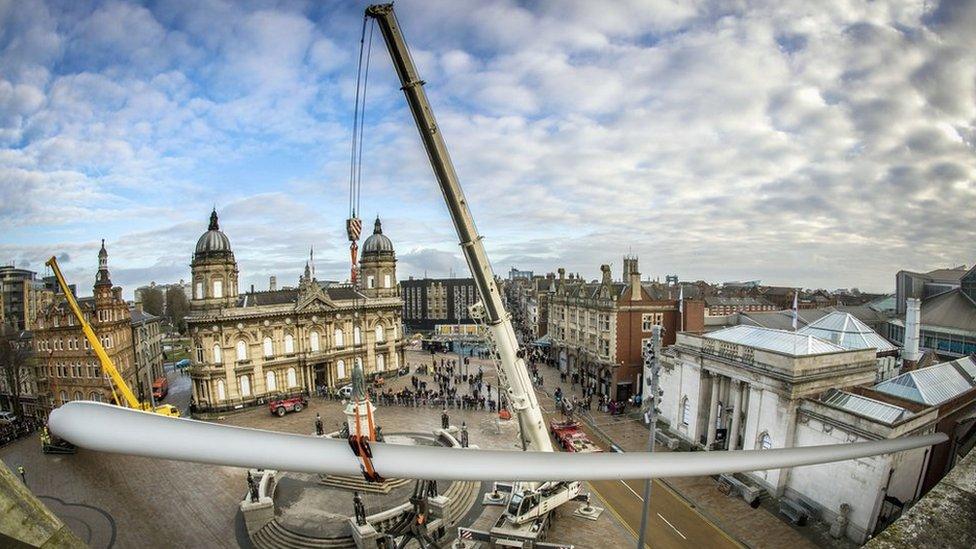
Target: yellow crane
[(118, 384)]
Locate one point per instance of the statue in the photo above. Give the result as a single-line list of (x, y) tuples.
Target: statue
[(359, 509), (319, 428), (358, 383), (252, 487)]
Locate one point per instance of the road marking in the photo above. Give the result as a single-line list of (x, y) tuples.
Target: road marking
[(672, 526), (636, 495)]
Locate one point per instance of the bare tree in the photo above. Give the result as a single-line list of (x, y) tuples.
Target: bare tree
[(152, 301), (177, 307), (15, 355)]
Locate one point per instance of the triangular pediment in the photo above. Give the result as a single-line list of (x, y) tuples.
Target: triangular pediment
[(315, 300)]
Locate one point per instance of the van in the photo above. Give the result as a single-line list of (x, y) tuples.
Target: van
[(160, 388), (7, 417)]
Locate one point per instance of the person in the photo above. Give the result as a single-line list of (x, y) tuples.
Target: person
[(445, 420), (319, 427), (464, 435), (252, 487)]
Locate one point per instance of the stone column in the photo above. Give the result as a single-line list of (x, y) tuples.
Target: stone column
[(733, 435), (712, 408)]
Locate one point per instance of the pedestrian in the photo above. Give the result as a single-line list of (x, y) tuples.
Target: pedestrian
[(319, 427), (445, 420)]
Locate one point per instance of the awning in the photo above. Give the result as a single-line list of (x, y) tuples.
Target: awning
[(544, 341)]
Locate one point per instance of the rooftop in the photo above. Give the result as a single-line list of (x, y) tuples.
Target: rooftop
[(777, 341), (846, 330), (864, 406), (933, 385)]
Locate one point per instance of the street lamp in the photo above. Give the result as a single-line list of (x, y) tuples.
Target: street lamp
[(652, 367)]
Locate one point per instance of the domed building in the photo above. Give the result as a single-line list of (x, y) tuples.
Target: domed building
[(252, 346), (378, 264)]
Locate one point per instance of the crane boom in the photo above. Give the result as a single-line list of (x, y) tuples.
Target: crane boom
[(520, 394), (118, 382), (120, 385)]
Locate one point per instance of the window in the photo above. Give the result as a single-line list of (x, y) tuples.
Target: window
[(289, 344), (605, 348), (268, 347), (78, 396), (221, 391), (387, 281), (270, 382), (245, 384), (198, 290), (341, 369), (357, 338), (95, 396), (685, 412), (380, 363), (64, 396), (765, 442), (217, 356), (292, 380), (218, 288), (379, 333), (647, 322), (313, 341), (241, 350), (370, 282), (338, 338)]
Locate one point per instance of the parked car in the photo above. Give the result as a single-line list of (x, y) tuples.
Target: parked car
[(7, 417), (281, 406), (185, 363)]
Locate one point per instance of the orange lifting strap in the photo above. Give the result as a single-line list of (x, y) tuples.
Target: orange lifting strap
[(360, 446)]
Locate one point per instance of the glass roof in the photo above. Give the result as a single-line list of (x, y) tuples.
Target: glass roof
[(864, 406), (846, 330), (778, 341), (933, 385)]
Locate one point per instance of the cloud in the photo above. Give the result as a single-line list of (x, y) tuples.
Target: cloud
[(815, 145)]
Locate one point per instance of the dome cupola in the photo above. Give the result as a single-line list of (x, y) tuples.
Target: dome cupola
[(213, 242), (377, 243)]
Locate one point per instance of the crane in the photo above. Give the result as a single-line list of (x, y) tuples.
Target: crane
[(530, 501), (118, 384)]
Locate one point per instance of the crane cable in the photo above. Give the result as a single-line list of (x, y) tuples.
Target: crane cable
[(354, 224)]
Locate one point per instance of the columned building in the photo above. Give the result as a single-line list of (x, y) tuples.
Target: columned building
[(755, 388), (251, 346)]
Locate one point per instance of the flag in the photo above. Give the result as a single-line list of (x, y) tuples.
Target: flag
[(796, 295)]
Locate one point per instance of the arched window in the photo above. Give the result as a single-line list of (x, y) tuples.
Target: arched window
[(198, 290), (78, 396), (245, 383), (217, 358), (387, 281), (64, 396), (270, 382), (268, 347), (313, 341), (370, 282), (765, 442), (380, 333), (218, 288), (341, 369), (292, 380), (241, 350), (289, 344), (685, 411), (380, 363), (97, 397), (339, 341), (357, 337), (221, 391)]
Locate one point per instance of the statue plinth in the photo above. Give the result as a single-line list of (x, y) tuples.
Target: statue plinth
[(364, 409)]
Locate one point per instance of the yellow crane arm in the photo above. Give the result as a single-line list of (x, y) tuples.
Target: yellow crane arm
[(107, 364)]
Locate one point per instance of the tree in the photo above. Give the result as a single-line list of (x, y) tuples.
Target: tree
[(15, 356), (152, 301), (177, 307)]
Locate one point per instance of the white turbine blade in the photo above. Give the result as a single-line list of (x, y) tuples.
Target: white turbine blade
[(108, 428)]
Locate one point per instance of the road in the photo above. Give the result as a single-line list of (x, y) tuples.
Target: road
[(673, 522)]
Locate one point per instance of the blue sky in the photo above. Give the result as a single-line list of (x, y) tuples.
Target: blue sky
[(824, 144)]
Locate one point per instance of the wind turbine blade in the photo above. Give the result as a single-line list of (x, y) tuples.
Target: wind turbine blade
[(107, 428)]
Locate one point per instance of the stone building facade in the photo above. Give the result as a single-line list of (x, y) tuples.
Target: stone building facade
[(67, 368), (252, 346), (147, 348)]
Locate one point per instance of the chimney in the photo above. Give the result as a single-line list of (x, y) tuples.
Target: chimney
[(252, 288), (630, 266), (138, 306), (635, 286), (605, 269), (273, 283), (910, 353), (562, 274)]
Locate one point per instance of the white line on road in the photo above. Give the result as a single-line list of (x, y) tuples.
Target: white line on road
[(636, 495), (672, 526)]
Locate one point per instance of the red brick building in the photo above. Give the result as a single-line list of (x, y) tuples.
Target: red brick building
[(597, 328)]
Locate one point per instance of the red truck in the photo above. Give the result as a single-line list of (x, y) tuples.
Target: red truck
[(160, 388), (571, 438), (282, 406)]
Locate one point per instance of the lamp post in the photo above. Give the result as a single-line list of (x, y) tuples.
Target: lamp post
[(652, 367)]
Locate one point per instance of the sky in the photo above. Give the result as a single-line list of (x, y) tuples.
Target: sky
[(815, 144)]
